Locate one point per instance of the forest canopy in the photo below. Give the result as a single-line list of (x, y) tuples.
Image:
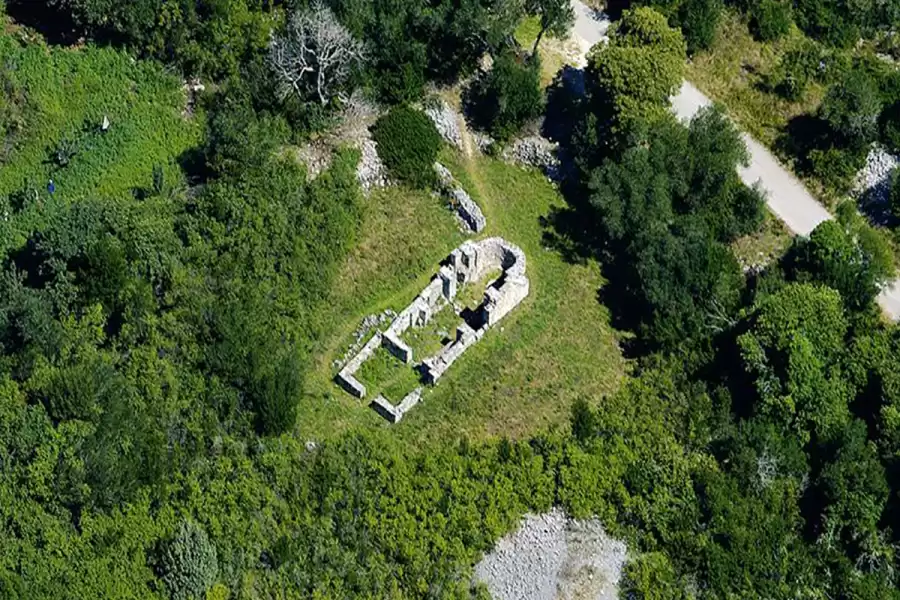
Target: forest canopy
[(167, 265)]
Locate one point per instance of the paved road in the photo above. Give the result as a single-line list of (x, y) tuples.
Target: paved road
[(785, 195)]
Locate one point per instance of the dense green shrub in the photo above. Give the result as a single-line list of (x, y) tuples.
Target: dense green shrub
[(852, 107), (836, 166), (829, 21), (852, 261), (770, 19), (408, 144), (699, 20), (630, 79), (188, 563), (797, 69), (507, 96), (207, 38)]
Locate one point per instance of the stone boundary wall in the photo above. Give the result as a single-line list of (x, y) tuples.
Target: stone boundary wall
[(468, 211), (347, 376), (467, 264)]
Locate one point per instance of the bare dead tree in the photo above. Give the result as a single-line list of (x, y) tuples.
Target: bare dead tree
[(316, 55)]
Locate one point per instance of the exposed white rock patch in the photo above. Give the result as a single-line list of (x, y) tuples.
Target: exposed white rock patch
[(872, 187), (535, 151), (553, 557), (371, 172), (446, 121)]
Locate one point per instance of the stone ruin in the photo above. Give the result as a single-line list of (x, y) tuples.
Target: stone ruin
[(467, 210), (467, 264)]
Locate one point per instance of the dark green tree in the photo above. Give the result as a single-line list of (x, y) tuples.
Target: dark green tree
[(408, 144), (508, 96), (188, 563)]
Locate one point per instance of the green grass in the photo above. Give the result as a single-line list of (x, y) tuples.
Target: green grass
[(733, 73), (523, 376), (63, 95), (472, 294), (384, 374), (555, 54), (527, 31), (428, 340)]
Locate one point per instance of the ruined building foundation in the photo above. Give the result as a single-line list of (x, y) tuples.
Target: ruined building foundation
[(467, 264)]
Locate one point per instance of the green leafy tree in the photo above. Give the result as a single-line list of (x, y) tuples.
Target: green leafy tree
[(507, 96), (651, 576), (557, 17), (771, 19), (856, 266), (699, 21), (793, 351), (852, 107), (188, 563), (894, 197), (853, 492), (631, 78)]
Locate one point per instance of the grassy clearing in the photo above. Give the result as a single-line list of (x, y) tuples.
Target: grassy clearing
[(522, 377), (59, 98), (734, 71), (385, 374)]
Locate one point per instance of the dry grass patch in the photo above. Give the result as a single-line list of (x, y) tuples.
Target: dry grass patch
[(733, 72)]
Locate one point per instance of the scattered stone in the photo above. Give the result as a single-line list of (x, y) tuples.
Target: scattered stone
[(872, 185), (535, 151), (446, 121), (483, 141), (554, 557), (371, 172), (362, 332)]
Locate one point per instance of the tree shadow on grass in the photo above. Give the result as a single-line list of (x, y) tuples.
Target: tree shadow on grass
[(803, 135), (568, 231)]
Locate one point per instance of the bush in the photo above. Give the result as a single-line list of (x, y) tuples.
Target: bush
[(188, 563), (408, 144), (770, 19), (828, 21), (852, 107), (895, 193), (890, 127), (699, 20), (797, 68), (836, 167), (508, 96)]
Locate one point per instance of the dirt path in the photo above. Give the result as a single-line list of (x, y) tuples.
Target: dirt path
[(787, 198)]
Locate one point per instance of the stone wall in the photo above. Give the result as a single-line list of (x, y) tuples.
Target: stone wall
[(466, 265), (346, 377), (466, 208)]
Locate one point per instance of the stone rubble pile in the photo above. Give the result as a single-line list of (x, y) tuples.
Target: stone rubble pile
[(554, 557), (371, 172), (535, 151), (872, 184), (446, 121), (368, 324)]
